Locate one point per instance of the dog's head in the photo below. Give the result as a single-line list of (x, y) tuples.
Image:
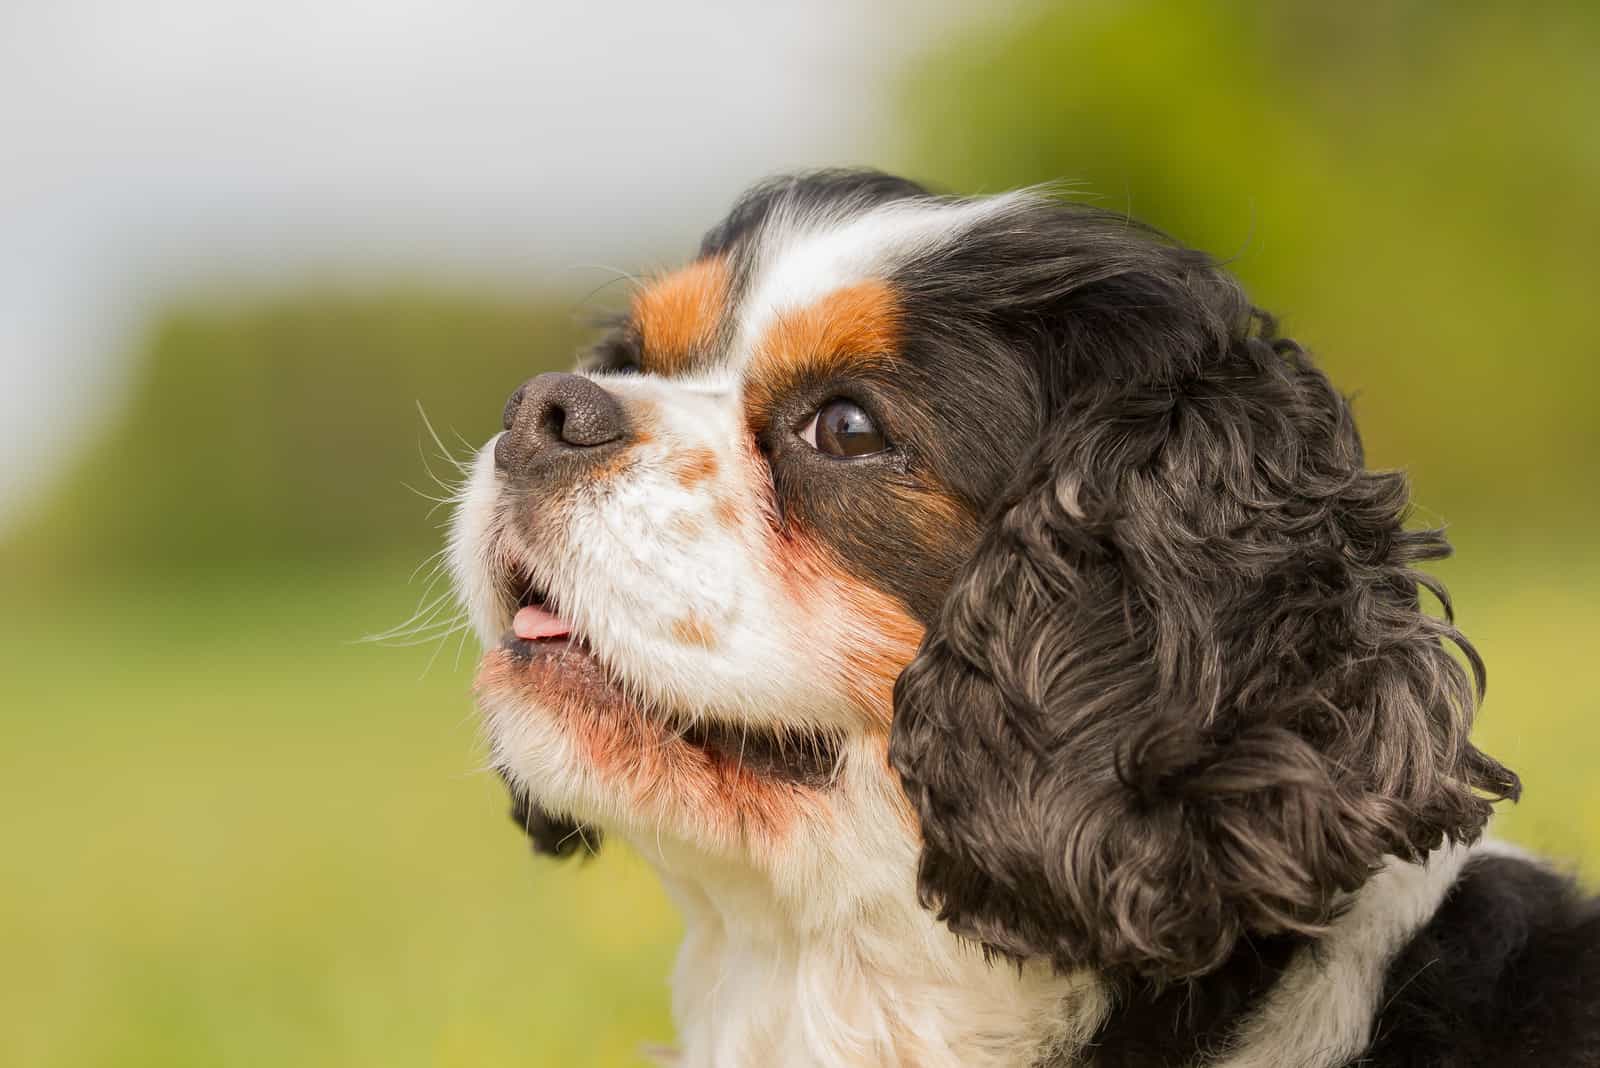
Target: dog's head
[(1000, 532)]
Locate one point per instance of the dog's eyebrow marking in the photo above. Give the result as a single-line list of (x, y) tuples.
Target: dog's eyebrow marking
[(678, 316), (853, 329), (800, 260)]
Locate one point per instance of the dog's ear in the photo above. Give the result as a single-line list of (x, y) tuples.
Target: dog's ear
[(550, 834), (1184, 690)]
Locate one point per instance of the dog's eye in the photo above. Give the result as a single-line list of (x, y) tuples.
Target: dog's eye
[(841, 428)]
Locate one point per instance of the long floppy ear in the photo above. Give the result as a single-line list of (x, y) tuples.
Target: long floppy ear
[(1184, 690)]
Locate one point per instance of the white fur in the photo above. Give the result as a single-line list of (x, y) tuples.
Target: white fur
[(1499, 847), (821, 956), (473, 531)]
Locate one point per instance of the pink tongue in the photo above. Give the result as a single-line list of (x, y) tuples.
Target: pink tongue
[(533, 623)]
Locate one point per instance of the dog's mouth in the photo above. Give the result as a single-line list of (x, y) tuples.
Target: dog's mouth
[(536, 619), (542, 639)]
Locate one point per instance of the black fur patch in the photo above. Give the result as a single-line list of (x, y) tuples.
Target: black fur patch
[(1176, 1025), (1507, 975), (551, 835)]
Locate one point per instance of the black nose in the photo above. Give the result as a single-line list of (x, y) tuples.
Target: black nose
[(557, 417)]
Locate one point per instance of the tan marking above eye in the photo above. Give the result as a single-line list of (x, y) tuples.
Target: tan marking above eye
[(854, 328), (678, 315)]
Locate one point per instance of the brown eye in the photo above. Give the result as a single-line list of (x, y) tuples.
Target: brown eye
[(841, 428)]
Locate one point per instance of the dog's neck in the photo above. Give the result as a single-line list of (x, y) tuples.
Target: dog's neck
[(826, 961), (764, 978)]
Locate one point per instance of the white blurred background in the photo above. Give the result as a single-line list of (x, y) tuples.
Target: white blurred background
[(148, 149)]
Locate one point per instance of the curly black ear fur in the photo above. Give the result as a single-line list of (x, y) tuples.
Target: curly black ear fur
[(1185, 689)]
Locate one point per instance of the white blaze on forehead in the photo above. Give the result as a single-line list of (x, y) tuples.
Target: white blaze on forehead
[(719, 383), (801, 260)]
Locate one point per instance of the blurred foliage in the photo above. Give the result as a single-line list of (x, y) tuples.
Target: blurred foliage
[(1410, 186), (289, 428)]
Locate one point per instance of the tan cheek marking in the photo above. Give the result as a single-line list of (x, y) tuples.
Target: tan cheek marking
[(694, 466), (692, 630), (856, 328), (876, 662), (678, 316), (879, 636), (878, 640), (626, 748)]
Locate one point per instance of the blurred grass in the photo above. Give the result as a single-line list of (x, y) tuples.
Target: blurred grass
[(234, 837)]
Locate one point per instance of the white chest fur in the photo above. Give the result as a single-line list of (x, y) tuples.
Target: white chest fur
[(823, 972), (826, 975)]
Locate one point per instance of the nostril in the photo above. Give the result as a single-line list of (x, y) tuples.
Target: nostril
[(585, 427), (513, 405), (553, 422), (581, 413)]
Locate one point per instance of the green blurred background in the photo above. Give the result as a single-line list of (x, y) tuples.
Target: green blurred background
[(237, 834)]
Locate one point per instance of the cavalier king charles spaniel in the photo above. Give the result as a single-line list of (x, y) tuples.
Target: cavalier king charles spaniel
[(984, 622)]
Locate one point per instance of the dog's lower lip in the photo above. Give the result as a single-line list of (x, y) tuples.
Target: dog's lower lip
[(527, 648)]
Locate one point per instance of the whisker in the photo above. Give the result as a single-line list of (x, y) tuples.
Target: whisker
[(444, 453)]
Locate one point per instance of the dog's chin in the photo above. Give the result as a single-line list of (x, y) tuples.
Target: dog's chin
[(568, 733)]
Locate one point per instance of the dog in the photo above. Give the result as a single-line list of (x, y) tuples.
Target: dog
[(985, 623)]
